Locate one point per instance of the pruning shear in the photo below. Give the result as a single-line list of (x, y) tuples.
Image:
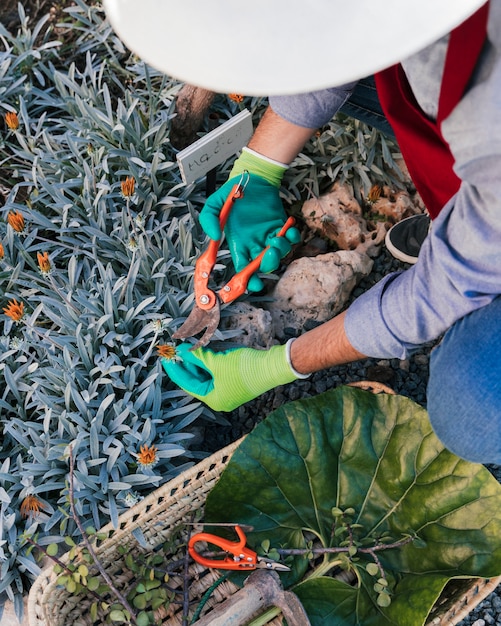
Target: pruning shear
[(206, 313), (238, 556)]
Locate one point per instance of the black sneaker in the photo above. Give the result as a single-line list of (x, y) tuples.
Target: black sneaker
[(405, 238)]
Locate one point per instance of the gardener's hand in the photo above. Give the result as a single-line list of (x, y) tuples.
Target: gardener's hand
[(225, 380), (255, 219)]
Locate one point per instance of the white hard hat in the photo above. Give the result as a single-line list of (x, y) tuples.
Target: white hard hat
[(274, 47)]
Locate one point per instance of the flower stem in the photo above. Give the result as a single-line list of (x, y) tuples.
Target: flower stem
[(340, 550), (88, 545)]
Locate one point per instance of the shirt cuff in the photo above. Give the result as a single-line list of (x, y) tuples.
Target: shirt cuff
[(366, 328)]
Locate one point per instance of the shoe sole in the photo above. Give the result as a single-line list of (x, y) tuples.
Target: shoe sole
[(398, 254)]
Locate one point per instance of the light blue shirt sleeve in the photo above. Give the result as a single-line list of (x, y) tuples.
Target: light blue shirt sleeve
[(459, 265), (311, 110)]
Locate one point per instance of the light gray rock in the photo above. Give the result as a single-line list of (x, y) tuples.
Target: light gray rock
[(337, 216), (255, 324), (316, 289)]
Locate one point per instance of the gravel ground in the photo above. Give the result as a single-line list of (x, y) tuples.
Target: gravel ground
[(408, 378)]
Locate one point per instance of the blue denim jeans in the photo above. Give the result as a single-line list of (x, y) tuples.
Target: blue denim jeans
[(464, 388), (363, 105)]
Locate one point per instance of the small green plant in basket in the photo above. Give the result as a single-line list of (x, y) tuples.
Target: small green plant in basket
[(148, 593), (145, 595), (82, 573), (374, 515)]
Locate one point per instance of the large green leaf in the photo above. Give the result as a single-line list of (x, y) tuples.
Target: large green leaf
[(377, 454)]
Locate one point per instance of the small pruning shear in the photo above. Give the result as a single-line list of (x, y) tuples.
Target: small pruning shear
[(205, 315), (237, 555)]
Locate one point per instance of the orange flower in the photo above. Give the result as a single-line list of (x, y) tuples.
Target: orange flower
[(166, 351), (147, 456), (31, 506), (2, 252), (44, 263), (127, 187), (14, 310), (236, 97), (374, 194), (16, 221), (12, 120)]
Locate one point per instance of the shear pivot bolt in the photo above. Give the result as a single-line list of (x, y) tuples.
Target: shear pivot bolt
[(204, 299), (226, 288)]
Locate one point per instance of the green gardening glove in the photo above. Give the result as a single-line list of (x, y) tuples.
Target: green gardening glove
[(225, 380), (254, 219)]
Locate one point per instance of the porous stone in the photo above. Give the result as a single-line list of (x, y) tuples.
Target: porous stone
[(337, 216), (255, 324), (315, 289), (394, 205)]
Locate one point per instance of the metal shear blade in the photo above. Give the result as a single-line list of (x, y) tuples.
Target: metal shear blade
[(198, 320), (264, 563)]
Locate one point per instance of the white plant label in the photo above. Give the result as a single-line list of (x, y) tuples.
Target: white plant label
[(215, 147)]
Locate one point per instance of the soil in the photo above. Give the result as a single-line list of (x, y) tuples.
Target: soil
[(34, 9)]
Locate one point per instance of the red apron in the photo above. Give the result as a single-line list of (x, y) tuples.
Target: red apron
[(425, 151)]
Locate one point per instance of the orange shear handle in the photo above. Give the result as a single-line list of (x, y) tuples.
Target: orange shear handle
[(243, 558), (238, 284), (207, 260)]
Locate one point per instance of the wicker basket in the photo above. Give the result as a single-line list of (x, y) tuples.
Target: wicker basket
[(157, 516)]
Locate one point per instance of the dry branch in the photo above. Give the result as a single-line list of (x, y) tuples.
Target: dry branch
[(261, 590)]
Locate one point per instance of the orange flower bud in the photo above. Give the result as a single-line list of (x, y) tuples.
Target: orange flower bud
[(236, 97), (16, 221), (31, 506), (44, 263), (374, 194), (12, 120), (127, 187), (2, 252), (14, 310), (166, 351)]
